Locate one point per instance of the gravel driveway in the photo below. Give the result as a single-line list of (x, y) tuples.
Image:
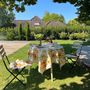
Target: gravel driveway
[(13, 46)]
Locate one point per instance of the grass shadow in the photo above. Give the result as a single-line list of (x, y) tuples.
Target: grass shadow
[(66, 71), (32, 81), (68, 48)]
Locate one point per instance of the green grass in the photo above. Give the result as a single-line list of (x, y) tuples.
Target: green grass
[(68, 78)]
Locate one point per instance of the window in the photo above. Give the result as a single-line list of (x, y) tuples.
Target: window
[(37, 24)]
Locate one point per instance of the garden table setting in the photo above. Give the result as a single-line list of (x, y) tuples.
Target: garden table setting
[(45, 55)]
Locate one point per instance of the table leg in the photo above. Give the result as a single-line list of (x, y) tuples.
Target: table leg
[(59, 65), (29, 70), (51, 73)]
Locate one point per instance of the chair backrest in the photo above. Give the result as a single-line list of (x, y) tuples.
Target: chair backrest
[(3, 54), (2, 51), (79, 53), (77, 44)]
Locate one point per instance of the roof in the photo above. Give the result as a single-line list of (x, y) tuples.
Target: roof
[(36, 21), (21, 21), (55, 24)]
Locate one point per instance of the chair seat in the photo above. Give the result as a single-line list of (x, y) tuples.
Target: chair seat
[(19, 64), (71, 56)]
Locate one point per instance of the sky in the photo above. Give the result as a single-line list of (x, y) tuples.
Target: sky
[(42, 6)]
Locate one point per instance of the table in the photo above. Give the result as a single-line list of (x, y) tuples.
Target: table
[(45, 55)]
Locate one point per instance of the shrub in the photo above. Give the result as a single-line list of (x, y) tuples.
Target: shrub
[(3, 34), (20, 33), (63, 35), (27, 31), (38, 30), (81, 36), (10, 34), (47, 32), (71, 36), (32, 36)]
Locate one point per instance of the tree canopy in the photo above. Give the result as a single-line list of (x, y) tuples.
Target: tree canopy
[(6, 17), (19, 5), (53, 17), (73, 23), (83, 6)]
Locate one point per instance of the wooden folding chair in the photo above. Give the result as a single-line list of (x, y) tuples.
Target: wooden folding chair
[(13, 71)]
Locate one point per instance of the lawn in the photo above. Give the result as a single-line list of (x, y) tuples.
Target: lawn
[(68, 78)]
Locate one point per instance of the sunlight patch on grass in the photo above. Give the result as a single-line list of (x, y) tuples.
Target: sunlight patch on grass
[(75, 79), (48, 84)]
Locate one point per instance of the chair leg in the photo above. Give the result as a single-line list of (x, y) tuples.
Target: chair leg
[(15, 77), (21, 74), (12, 80)]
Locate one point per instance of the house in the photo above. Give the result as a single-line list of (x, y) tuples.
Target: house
[(34, 22), (37, 22)]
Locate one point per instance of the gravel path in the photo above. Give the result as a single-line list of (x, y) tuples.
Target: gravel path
[(13, 46)]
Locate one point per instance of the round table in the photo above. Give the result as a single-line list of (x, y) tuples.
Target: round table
[(45, 55)]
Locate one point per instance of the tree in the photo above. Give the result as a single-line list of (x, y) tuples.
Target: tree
[(27, 31), (83, 10), (19, 5), (87, 22), (52, 16), (6, 17), (73, 22), (20, 32), (2, 17)]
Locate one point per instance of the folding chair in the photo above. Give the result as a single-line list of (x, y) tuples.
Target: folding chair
[(85, 56), (11, 70), (74, 57)]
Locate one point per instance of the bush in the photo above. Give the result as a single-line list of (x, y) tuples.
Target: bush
[(32, 36), (63, 35), (3, 34), (84, 36), (10, 34), (81, 36), (20, 33), (27, 32), (47, 32)]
